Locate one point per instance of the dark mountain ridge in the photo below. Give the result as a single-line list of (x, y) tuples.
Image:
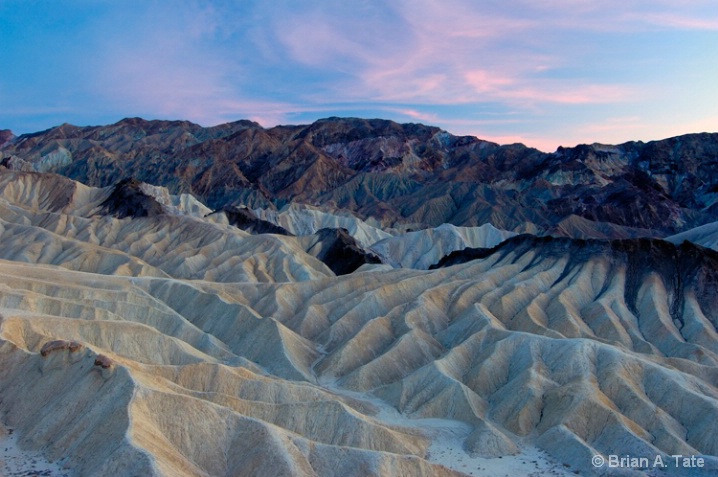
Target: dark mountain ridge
[(243, 218), (400, 174), (680, 267)]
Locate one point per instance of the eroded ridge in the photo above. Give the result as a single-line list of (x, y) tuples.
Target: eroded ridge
[(579, 348)]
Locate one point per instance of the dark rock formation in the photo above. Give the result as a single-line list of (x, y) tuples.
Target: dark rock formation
[(243, 218), (680, 267), (58, 345), (128, 200), (339, 250), (103, 361), (458, 257)]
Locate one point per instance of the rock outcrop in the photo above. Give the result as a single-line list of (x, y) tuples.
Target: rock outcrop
[(60, 345), (245, 219), (339, 250)]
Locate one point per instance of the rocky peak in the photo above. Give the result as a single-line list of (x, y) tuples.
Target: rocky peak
[(399, 173), (128, 200), (6, 136)]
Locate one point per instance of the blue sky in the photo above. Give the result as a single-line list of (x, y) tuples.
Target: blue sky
[(548, 73)]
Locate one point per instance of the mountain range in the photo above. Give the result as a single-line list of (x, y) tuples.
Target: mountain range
[(406, 176), (355, 298)]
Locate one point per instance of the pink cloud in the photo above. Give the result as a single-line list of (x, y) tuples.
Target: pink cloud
[(413, 53), (445, 54), (681, 22), (522, 89), (573, 94), (416, 115), (611, 126), (488, 82), (621, 15)]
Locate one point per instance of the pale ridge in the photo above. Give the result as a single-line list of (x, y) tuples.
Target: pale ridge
[(171, 345)]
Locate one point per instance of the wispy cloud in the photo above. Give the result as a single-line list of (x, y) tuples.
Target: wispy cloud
[(514, 69), (438, 53), (679, 22), (415, 114)]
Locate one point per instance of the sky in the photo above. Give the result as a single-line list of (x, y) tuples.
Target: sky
[(544, 73)]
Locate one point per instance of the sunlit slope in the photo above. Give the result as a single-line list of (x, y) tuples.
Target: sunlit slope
[(520, 345), (176, 345), (183, 401), (50, 219), (423, 248)]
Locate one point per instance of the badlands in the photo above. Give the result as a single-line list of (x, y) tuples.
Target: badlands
[(149, 336), (355, 298)]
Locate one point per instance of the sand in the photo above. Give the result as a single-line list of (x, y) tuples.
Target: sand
[(17, 462)]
